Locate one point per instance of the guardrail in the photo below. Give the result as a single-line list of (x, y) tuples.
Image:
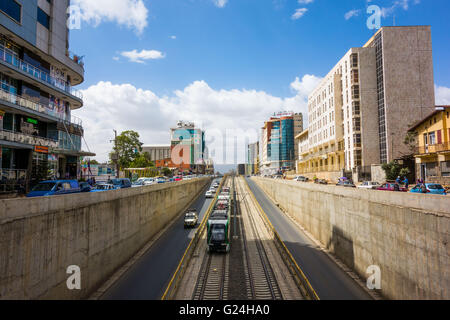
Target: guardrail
[(299, 277), (171, 289)]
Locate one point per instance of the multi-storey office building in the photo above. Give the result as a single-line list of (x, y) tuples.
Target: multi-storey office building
[(39, 137), (253, 158), (188, 146), (278, 150), (360, 113), (157, 152)]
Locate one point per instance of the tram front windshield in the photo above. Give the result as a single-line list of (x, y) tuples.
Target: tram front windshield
[(218, 232)]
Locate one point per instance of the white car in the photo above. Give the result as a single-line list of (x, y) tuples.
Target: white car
[(149, 181), (209, 194), (369, 185)]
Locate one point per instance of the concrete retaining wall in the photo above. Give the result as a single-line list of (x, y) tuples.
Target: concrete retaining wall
[(406, 235), (99, 232)]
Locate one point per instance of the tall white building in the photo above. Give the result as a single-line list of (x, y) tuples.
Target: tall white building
[(360, 112)]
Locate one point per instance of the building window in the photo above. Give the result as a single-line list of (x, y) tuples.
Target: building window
[(354, 60), (445, 168), (432, 136), (357, 124), (43, 18), (355, 92), (431, 169), (12, 9)]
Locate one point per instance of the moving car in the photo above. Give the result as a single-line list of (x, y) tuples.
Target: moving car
[(209, 194), (432, 188), (190, 218), (54, 188), (369, 185), (390, 186)]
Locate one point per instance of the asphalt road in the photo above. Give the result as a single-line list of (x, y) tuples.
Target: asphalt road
[(148, 278), (328, 280)]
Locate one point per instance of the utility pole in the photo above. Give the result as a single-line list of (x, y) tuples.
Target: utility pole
[(115, 154)]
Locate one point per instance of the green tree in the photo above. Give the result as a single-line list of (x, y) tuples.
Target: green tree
[(394, 169), (411, 141), (167, 172), (142, 161), (127, 148)]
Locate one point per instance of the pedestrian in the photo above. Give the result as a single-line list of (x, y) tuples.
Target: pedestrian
[(398, 180), (423, 188), (396, 187), (406, 182)]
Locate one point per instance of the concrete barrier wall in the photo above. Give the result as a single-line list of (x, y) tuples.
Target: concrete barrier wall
[(406, 235), (99, 232)]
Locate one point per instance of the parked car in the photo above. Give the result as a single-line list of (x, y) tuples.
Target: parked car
[(101, 187), (160, 180), (122, 183), (390, 186), (190, 218), (138, 183), (178, 178), (369, 185), (432, 188), (149, 181), (54, 188), (345, 183), (321, 181), (301, 179), (85, 187)]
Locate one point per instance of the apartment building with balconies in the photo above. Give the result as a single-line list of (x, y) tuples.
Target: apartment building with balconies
[(433, 146), (360, 113), (39, 136)]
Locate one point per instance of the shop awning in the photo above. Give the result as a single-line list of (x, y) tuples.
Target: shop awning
[(72, 153)]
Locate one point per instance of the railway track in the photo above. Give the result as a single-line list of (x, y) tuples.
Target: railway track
[(212, 282), (261, 280), (253, 270)]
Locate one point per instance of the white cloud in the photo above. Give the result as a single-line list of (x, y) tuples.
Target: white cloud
[(299, 13), (173, 37), (130, 13), (122, 107), (305, 1), (402, 4), (352, 13), (442, 95), (140, 57), (220, 3)]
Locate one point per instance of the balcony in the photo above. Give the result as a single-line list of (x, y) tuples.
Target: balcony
[(434, 148), (38, 107), (27, 139), (12, 60)]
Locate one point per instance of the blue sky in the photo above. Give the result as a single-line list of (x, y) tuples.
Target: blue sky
[(228, 51)]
